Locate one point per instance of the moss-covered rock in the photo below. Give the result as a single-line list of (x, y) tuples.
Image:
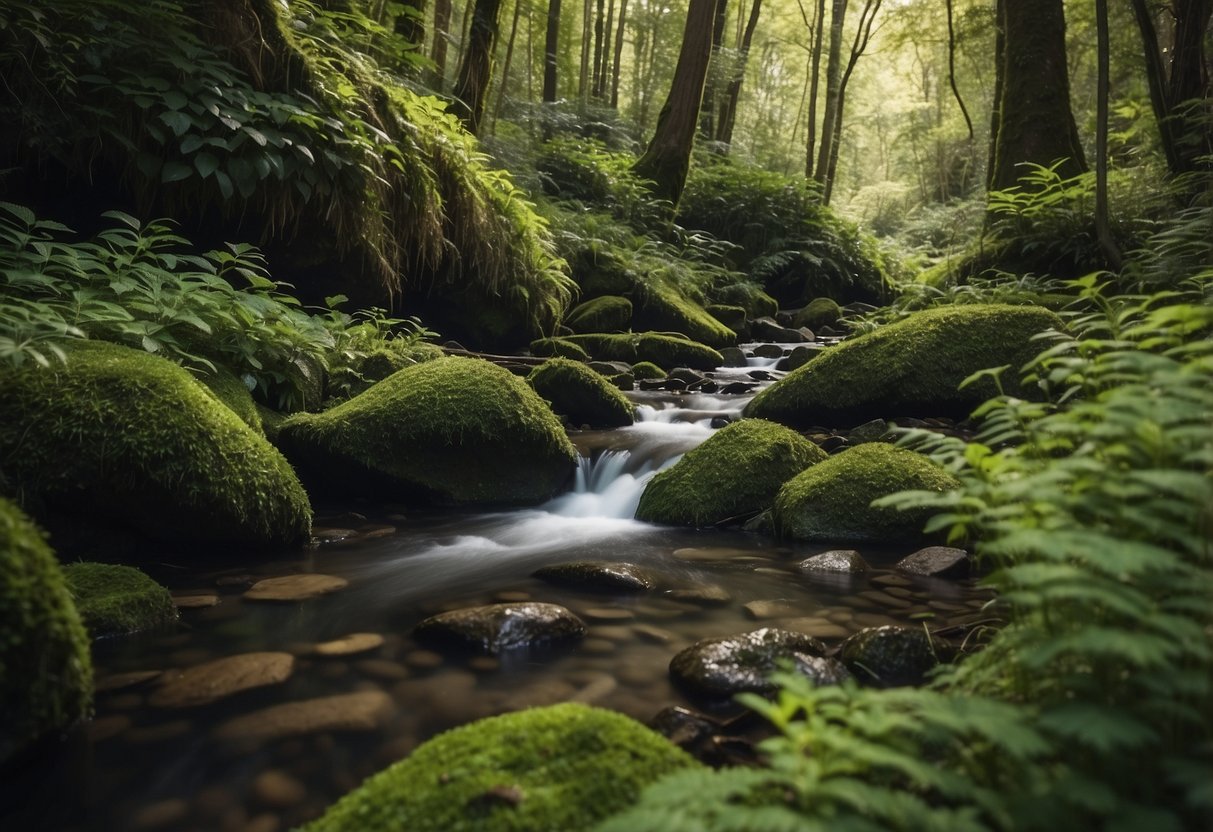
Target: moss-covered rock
[(750, 297), (581, 394), (833, 499), (911, 368), (734, 474), (602, 272), (116, 600), (46, 674), (647, 371), (558, 348), (455, 430), (666, 351), (820, 312), (731, 316), (557, 769), (350, 377), (232, 391), (609, 313), (663, 307), (129, 438)]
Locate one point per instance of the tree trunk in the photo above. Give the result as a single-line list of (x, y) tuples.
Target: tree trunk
[(476, 71), (505, 68), (596, 83), (668, 157), (551, 44), (583, 82), (811, 124), (964, 111), (833, 84), (623, 14), (863, 36), (442, 22), (1103, 228), (728, 107), (707, 114), (600, 91), (1035, 124)]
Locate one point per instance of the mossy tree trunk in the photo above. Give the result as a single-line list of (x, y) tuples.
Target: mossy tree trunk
[(668, 157), (476, 70), (1034, 123)]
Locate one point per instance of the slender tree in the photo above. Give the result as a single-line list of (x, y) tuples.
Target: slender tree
[(818, 32), (707, 115), (863, 36), (1103, 228), (505, 68), (668, 157), (728, 103), (618, 62), (838, 14), (599, 24), (583, 81), (442, 23), (551, 46), (476, 70)]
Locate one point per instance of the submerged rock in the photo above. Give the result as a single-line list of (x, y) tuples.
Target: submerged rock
[(734, 474), (719, 668), (581, 394), (116, 600), (598, 576), (289, 588), (498, 628), (835, 561), (361, 711), (910, 368), (889, 656), (126, 437), (833, 500), (936, 562), (212, 681), (455, 430), (46, 673), (562, 767), (349, 645)]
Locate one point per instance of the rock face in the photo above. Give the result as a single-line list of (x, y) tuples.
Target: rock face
[(719, 668), (130, 438), (832, 500), (289, 588), (736, 473), (666, 351), (581, 394), (499, 628), (889, 656), (115, 600), (46, 673), (911, 368), (361, 711), (598, 576), (212, 681), (563, 767), (836, 561), (936, 562), (609, 313), (454, 430)]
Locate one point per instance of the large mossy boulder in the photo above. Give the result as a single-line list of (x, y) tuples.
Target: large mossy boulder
[(581, 394), (557, 769), (558, 348), (734, 474), (609, 313), (117, 600), (664, 308), (127, 438), (911, 368), (820, 312), (666, 351), (832, 500), (450, 431), (225, 386), (46, 674)]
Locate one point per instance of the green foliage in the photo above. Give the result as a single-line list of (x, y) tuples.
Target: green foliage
[(558, 348), (585, 171), (579, 393), (117, 600), (556, 769)]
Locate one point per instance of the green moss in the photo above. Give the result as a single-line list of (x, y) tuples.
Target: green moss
[(660, 306), (271, 421), (581, 394), (455, 430), (832, 500), (911, 368), (736, 473), (558, 348), (232, 392), (132, 439), (116, 600), (46, 674), (645, 370), (731, 316), (602, 272), (609, 313), (557, 769), (349, 377), (750, 297), (820, 312), (665, 351)]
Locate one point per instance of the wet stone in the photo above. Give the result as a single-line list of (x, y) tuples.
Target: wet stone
[(711, 553), (278, 789), (884, 599), (362, 711), (332, 535), (844, 561), (608, 614), (936, 562), (498, 628), (376, 532), (719, 668), (889, 656), (873, 431), (295, 587), (381, 669), (598, 576), (195, 602), (733, 357), (653, 635), (775, 608), (424, 659), (682, 726), (892, 580), (121, 681), (816, 627), (706, 595), (161, 815), (209, 682), (349, 645)]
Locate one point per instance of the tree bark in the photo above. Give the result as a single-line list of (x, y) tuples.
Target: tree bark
[(551, 44), (1035, 124), (833, 83), (728, 107), (668, 157), (442, 22), (811, 124), (1103, 227), (505, 68), (707, 114), (623, 14), (476, 71), (596, 82)]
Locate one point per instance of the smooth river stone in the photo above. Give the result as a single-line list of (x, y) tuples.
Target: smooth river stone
[(708, 595), (119, 681), (719, 668), (845, 561), (207, 683), (598, 576), (890, 656), (278, 789), (295, 587), (363, 711), (774, 608), (349, 645), (195, 602), (936, 562), (498, 628)]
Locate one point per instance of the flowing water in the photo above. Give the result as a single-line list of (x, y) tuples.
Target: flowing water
[(145, 767)]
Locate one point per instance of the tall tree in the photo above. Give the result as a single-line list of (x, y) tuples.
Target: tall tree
[(551, 45), (476, 70), (1033, 122), (838, 14), (668, 157), (1103, 229), (505, 68), (583, 81), (818, 32), (707, 116), (618, 62), (728, 103), (599, 25), (863, 36), (442, 23)]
